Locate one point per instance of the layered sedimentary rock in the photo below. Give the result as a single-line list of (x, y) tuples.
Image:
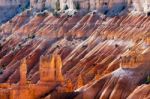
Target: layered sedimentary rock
[(25, 89), (83, 56), (114, 6), (111, 7), (141, 92)]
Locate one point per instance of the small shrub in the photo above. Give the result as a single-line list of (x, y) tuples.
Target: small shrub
[(85, 46), (105, 3), (148, 13), (66, 7), (27, 5), (31, 36), (1, 71), (12, 49), (41, 14), (1, 46), (4, 65), (23, 8), (148, 79), (56, 14), (19, 45)]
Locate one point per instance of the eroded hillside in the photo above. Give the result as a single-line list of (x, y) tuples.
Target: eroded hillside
[(80, 56)]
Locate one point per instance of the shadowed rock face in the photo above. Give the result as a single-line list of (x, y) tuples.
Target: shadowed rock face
[(102, 57), (9, 8)]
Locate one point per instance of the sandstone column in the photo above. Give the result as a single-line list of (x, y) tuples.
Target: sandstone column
[(70, 4), (69, 86), (47, 69), (110, 3), (58, 64), (92, 4), (80, 81), (23, 72), (98, 4), (138, 5)]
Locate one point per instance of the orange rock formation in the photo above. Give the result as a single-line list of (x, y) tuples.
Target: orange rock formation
[(75, 57), (48, 81)]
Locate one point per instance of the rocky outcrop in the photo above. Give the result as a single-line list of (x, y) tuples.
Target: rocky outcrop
[(102, 57), (49, 80), (141, 92), (108, 7), (111, 7)]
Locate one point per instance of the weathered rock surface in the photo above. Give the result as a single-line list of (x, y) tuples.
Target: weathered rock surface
[(141, 92), (10, 8), (102, 57)]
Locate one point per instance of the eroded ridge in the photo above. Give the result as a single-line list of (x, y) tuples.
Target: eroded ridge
[(84, 56)]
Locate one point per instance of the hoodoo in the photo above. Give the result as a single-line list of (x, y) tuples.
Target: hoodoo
[(74, 49), (23, 72)]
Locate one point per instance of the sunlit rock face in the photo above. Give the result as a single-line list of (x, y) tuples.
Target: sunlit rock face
[(81, 56), (84, 4), (102, 57), (141, 92), (141, 6), (109, 7)]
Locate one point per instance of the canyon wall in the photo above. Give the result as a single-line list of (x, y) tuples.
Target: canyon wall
[(141, 5), (10, 8), (115, 6), (109, 57), (84, 4), (102, 57)]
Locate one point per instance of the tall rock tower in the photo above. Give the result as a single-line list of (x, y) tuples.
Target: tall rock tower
[(80, 81), (23, 72), (147, 6), (141, 6), (23, 90), (58, 64), (138, 5), (50, 69), (47, 69)]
